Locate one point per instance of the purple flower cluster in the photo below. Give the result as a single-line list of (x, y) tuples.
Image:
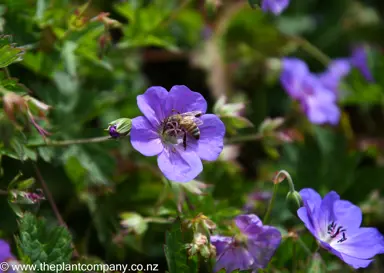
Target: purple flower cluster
[(335, 223), (176, 128), (316, 93), (251, 249), (274, 6)]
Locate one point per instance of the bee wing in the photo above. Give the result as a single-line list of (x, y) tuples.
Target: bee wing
[(198, 121), (192, 113)]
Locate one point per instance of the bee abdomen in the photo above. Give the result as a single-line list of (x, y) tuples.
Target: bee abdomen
[(196, 133)]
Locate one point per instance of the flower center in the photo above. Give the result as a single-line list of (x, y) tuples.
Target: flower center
[(336, 232)]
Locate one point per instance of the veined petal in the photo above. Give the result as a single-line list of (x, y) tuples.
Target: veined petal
[(211, 140), (347, 215), (183, 100), (263, 246), (364, 244), (178, 165), (355, 262), (151, 104), (326, 215), (248, 223), (234, 258), (144, 138), (304, 214), (312, 197), (221, 243)]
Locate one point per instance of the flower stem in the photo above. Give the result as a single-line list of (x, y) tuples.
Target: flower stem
[(53, 205), (270, 206), (54, 143), (178, 210), (294, 246), (312, 50), (288, 177), (246, 138)]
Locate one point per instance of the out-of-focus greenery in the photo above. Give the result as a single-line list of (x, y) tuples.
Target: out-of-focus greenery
[(74, 66)]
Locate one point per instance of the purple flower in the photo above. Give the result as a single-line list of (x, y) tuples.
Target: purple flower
[(5, 252), (336, 224), (319, 103), (274, 6), (336, 71), (316, 100), (359, 59), (252, 249), (176, 129), (292, 75)]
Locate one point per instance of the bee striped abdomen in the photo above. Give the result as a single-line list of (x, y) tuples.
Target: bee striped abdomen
[(196, 133)]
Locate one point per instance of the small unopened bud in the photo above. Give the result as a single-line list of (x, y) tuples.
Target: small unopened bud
[(120, 127), (294, 201)]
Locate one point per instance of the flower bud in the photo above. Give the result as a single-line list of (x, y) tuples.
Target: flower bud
[(120, 127), (294, 201), (200, 245)]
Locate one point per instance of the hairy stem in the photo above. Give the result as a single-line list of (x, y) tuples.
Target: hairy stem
[(312, 50), (271, 203), (288, 177), (246, 138), (53, 204), (54, 143), (294, 262)]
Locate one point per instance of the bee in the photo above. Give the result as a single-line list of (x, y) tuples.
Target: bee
[(185, 123)]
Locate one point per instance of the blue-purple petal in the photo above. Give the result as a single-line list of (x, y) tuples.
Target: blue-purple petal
[(305, 215), (151, 104), (274, 6), (144, 138), (294, 71), (248, 224), (220, 242), (263, 246), (363, 244), (5, 251), (234, 258), (347, 215), (211, 140), (183, 100), (312, 198), (359, 59), (326, 215), (179, 165)]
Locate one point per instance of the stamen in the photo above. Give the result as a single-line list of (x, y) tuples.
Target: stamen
[(333, 230)]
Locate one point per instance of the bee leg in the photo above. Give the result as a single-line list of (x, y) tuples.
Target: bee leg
[(185, 141), (173, 110)]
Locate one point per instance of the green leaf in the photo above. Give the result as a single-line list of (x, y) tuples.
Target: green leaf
[(25, 184), (174, 249), (69, 57), (234, 123), (43, 243), (9, 53)]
